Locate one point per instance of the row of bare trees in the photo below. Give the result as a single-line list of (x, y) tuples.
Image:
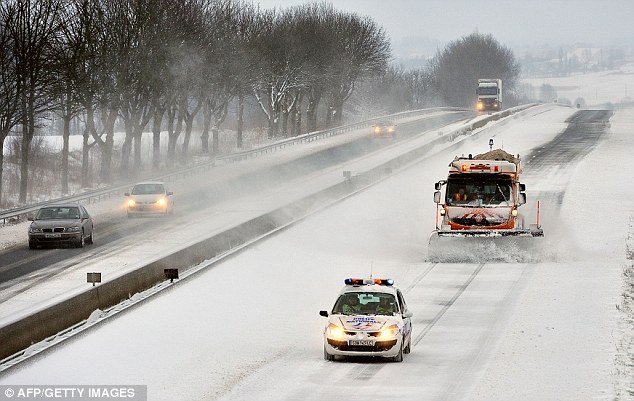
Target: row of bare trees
[(164, 64)]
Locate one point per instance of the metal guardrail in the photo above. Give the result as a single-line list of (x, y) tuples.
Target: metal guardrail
[(92, 196)]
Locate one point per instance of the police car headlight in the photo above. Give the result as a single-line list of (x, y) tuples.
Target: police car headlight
[(388, 332), (335, 331)]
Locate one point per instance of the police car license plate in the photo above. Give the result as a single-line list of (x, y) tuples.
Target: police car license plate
[(52, 235), (361, 342)]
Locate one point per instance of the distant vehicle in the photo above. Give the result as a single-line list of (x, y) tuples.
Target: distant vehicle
[(369, 318), (489, 94), (61, 224), (149, 198), (384, 129)]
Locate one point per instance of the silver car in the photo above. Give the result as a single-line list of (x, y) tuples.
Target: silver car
[(61, 224), (149, 197)]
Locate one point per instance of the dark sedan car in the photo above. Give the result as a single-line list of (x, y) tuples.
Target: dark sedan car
[(61, 224)]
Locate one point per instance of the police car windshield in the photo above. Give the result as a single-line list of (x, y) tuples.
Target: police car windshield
[(365, 303)]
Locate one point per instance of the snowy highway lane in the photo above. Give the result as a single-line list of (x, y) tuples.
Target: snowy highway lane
[(249, 328)]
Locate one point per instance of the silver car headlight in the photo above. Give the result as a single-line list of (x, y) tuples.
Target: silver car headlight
[(73, 229)]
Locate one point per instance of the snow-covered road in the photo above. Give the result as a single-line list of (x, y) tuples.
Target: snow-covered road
[(249, 328)]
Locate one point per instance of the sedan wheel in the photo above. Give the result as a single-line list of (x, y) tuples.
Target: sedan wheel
[(90, 239), (81, 241)]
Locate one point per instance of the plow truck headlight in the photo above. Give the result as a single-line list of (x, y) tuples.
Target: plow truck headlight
[(514, 212)]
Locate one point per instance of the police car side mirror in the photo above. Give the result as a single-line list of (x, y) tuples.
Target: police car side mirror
[(323, 313), (407, 314)]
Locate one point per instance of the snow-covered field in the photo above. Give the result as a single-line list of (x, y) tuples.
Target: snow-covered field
[(596, 88)]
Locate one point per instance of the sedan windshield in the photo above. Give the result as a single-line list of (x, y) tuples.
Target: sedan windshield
[(48, 213), (148, 189)]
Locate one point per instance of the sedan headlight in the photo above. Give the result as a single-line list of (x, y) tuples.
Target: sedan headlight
[(334, 331), (73, 229), (388, 332), (35, 230)]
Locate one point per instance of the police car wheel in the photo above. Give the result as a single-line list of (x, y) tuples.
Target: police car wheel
[(408, 348), (328, 356), (399, 356)]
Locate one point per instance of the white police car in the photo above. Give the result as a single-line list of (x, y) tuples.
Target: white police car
[(370, 318)]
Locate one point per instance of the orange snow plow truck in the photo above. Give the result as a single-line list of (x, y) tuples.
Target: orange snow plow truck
[(481, 198)]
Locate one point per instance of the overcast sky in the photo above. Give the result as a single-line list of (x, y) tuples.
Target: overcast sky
[(511, 22)]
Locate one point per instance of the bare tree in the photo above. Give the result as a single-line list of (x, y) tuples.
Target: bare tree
[(90, 18), (249, 23), (70, 50), (284, 72), (228, 63), (362, 49), (32, 26), (9, 88)]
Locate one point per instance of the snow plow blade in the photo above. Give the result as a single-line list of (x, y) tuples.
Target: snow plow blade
[(537, 232), (475, 246)]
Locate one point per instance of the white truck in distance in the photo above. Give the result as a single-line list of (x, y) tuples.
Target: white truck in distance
[(489, 94)]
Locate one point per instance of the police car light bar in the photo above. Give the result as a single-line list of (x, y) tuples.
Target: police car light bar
[(360, 281), (383, 281)]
